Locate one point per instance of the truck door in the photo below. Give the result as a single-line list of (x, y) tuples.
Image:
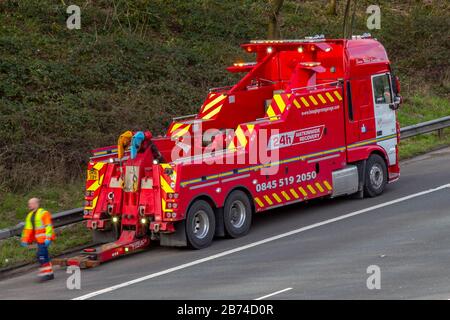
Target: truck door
[(385, 117)]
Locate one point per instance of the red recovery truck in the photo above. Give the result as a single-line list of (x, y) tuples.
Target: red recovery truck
[(310, 118)]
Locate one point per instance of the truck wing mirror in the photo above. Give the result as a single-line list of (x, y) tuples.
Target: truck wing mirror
[(396, 104)]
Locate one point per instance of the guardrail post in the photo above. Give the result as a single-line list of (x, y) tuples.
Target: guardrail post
[(441, 134)]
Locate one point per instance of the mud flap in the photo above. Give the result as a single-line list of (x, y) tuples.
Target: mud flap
[(177, 238), (361, 180), (220, 227)]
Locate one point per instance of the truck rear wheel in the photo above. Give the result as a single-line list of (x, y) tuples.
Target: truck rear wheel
[(200, 225), (375, 176), (237, 214)]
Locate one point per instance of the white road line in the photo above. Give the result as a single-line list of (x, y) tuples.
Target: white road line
[(272, 294), (257, 243)]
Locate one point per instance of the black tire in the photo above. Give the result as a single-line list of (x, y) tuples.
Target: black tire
[(200, 225), (375, 176), (237, 214)]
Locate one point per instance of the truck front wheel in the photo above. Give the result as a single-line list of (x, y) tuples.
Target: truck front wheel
[(237, 214), (200, 225), (375, 176)]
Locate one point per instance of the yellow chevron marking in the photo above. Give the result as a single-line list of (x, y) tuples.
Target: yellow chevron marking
[(276, 197), (99, 165), (285, 195), (296, 196), (176, 126), (329, 96), (271, 113), (322, 98), (165, 186), (313, 100), (280, 102), (266, 197), (303, 191), (336, 93), (259, 202), (304, 101), (327, 185), (318, 185), (212, 113), (163, 205), (311, 189), (181, 132), (165, 166), (250, 128), (96, 184), (212, 103), (94, 203), (296, 104), (241, 136)]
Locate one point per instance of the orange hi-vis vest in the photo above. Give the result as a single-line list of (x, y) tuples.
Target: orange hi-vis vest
[(38, 227)]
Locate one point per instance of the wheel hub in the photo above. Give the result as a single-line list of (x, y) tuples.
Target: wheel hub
[(201, 224), (238, 214), (376, 176)]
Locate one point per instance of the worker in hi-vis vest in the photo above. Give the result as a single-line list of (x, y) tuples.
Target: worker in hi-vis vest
[(38, 228)]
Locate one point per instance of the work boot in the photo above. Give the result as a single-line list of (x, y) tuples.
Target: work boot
[(46, 278)]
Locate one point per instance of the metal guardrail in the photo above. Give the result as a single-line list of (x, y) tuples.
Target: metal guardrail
[(425, 127), (76, 215), (60, 219)]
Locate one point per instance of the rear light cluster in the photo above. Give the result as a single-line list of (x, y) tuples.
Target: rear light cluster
[(88, 203), (89, 193), (172, 205), (172, 195), (171, 215)]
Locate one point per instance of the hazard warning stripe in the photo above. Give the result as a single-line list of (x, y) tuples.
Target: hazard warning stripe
[(179, 129), (304, 101), (329, 96), (310, 188), (321, 98), (280, 102), (212, 106), (292, 195), (313, 100), (296, 196), (285, 195), (317, 184), (95, 185), (259, 202), (277, 198), (266, 197), (336, 93), (241, 136), (327, 185), (213, 103), (302, 191)]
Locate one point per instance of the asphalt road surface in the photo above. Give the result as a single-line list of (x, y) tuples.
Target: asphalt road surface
[(316, 250)]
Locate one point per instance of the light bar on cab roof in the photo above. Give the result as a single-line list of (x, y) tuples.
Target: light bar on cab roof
[(244, 64), (306, 39)]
